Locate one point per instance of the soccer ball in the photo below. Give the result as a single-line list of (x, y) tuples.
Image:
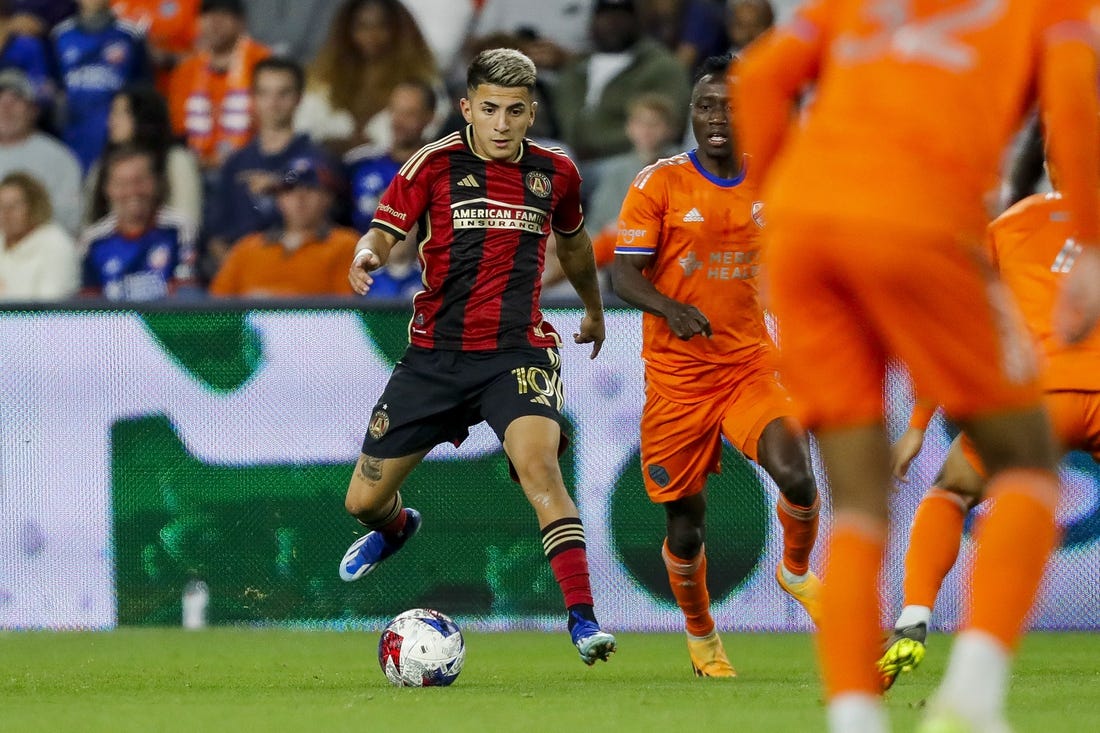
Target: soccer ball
[(421, 648)]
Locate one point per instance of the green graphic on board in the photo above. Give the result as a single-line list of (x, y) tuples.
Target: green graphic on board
[(267, 538), (738, 521), (218, 349), (389, 330)]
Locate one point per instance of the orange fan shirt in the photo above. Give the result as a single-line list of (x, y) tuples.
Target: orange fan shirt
[(259, 266), (1033, 246), (170, 25), (703, 233), (913, 106)]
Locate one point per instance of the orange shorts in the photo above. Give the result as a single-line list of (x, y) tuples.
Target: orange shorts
[(682, 443), (850, 297), (1075, 417)]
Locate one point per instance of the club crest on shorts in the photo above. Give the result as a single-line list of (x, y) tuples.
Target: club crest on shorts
[(659, 474), (538, 183), (379, 424), (758, 213)]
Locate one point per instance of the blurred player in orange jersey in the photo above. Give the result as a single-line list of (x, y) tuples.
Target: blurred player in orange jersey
[(876, 218), (1033, 248), (687, 255)]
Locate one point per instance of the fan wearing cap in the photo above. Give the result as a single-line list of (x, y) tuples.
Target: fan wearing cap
[(209, 99), (306, 256), (24, 148)]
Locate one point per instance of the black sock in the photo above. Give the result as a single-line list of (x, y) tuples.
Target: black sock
[(581, 611)]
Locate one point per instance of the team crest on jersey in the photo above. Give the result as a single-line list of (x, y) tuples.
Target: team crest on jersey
[(758, 213), (115, 53), (159, 257), (379, 424), (538, 183)]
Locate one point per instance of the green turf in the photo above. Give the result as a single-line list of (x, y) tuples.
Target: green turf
[(278, 680)]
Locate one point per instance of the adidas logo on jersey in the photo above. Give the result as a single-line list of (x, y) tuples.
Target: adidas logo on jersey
[(693, 216), (468, 181)]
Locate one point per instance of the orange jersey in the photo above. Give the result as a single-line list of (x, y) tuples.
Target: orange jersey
[(703, 234), (1033, 246), (914, 104), (170, 25)]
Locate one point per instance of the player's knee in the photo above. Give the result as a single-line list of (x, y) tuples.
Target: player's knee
[(536, 467), (685, 541), (797, 485)]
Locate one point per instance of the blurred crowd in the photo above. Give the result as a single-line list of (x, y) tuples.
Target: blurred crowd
[(238, 148)]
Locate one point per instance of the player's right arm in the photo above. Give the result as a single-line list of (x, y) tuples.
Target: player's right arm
[(400, 207), (635, 288), (1071, 118), (371, 252), (639, 236)]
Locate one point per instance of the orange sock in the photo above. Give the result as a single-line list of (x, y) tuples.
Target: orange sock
[(1014, 539), (799, 533), (849, 635), (688, 580), (933, 545)]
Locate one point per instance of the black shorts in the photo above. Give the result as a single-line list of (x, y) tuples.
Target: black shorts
[(435, 396)]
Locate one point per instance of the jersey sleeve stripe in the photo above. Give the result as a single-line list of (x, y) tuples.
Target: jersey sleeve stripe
[(624, 250), (387, 227), (409, 170), (564, 233)]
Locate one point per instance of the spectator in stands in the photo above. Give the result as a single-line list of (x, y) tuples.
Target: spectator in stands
[(373, 46), (370, 168), (29, 54), (692, 29), (554, 31), (210, 100), (140, 250), (38, 259), (23, 148), (96, 55), (170, 28), (293, 29), (306, 256), (594, 92), (747, 19), (38, 17), (651, 128), (139, 116), (243, 199)]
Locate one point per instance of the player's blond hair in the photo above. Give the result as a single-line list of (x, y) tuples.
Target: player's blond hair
[(502, 67)]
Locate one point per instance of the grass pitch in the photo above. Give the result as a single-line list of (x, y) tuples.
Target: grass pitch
[(230, 679)]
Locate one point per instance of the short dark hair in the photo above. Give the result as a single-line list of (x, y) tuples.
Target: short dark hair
[(502, 67), (714, 66), (286, 66), (125, 152)]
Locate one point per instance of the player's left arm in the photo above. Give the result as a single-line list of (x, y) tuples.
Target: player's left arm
[(766, 82), (1071, 117), (579, 265)]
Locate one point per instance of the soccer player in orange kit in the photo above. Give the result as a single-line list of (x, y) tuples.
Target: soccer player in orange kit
[(686, 255), (1033, 248), (877, 210)]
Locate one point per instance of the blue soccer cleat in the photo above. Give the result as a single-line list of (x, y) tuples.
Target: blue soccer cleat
[(591, 643), (372, 548)]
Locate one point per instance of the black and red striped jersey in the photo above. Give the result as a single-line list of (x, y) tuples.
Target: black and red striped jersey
[(483, 226)]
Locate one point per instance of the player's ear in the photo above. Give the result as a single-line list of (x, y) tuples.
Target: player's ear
[(534, 109), (464, 106)]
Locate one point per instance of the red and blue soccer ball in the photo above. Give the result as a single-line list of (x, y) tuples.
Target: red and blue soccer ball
[(421, 648)]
